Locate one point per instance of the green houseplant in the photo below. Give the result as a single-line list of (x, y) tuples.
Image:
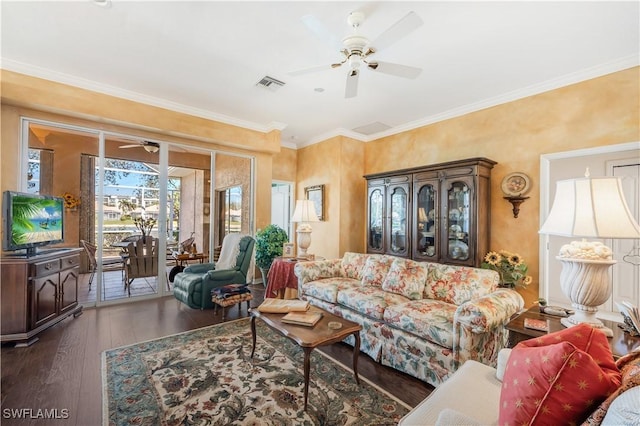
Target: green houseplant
[(269, 242)]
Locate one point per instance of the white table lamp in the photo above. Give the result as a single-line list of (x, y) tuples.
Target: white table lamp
[(304, 213), (594, 208)]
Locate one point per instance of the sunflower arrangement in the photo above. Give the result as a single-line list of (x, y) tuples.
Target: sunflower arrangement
[(70, 200), (510, 267)]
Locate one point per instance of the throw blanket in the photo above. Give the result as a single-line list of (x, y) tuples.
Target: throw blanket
[(229, 255)]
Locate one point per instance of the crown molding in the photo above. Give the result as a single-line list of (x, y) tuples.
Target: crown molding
[(556, 83), (93, 86), (566, 80)]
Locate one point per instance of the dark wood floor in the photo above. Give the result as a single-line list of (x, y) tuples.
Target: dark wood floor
[(62, 370)]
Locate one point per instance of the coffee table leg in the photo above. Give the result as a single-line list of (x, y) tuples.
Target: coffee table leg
[(307, 367), (253, 334), (356, 353)]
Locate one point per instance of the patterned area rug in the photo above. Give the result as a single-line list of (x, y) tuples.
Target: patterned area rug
[(206, 377)]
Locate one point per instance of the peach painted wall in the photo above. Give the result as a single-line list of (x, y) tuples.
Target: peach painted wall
[(337, 164), (597, 112), (285, 165)]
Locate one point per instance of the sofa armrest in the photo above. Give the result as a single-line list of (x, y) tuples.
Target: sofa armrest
[(317, 269), (199, 268), (222, 275), (478, 326), (472, 390), (448, 417)]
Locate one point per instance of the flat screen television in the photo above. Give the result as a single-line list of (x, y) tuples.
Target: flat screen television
[(31, 221)]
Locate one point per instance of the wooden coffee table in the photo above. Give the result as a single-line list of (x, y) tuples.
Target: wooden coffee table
[(309, 338)]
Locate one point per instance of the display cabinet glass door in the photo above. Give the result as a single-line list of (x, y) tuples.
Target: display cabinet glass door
[(457, 233), (426, 225), (398, 220), (376, 220)]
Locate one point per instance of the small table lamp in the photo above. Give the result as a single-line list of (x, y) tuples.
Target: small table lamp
[(595, 208), (304, 213)]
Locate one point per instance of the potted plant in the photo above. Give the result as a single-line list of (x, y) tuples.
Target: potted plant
[(269, 242)]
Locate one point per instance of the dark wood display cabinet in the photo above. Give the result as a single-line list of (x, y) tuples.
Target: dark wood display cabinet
[(437, 213), (38, 292)]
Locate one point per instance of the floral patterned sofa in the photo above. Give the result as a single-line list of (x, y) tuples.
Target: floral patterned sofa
[(425, 319)]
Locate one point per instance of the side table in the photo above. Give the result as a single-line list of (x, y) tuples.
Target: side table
[(282, 282), (621, 343)]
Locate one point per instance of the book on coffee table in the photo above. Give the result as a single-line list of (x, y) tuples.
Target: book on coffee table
[(308, 319), (283, 306)]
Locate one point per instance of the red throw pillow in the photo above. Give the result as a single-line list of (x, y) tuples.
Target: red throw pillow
[(557, 378)]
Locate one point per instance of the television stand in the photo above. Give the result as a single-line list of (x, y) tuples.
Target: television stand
[(38, 292)]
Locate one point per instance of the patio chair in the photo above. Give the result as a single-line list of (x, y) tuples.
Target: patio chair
[(90, 250), (235, 266), (141, 261)]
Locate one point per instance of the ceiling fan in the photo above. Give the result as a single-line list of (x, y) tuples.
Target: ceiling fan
[(356, 49), (148, 146)]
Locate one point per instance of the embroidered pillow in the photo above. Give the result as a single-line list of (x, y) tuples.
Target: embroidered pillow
[(352, 264), (459, 284), (375, 269), (557, 378), (406, 277)]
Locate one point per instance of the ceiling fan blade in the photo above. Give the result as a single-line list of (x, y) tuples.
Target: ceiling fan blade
[(135, 145), (409, 23), (351, 90), (398, 70), (321, 32), (310, 70)]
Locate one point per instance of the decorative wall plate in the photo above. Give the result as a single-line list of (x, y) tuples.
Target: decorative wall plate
[(516, 184)]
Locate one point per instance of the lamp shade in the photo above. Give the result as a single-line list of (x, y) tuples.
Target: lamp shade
[(305, 212), (590, 207)]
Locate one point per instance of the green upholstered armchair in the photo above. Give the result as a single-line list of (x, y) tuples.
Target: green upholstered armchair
[(193, 285)]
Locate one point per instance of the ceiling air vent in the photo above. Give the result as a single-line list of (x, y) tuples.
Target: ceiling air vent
[(270, 83), (372, 128)]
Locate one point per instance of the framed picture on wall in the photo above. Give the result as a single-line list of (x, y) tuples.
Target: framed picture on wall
[(287, 250), (316, 194)]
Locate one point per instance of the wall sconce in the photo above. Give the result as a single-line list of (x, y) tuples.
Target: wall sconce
[(515, 186), (515, 202)]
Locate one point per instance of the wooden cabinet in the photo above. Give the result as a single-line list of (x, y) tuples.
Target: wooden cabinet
[(389, 201), (37, 292), (437, 213)]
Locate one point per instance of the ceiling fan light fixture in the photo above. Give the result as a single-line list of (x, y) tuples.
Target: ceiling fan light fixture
[(355, 61), (151, 148)]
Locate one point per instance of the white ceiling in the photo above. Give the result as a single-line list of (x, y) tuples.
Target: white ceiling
[(205, 58)]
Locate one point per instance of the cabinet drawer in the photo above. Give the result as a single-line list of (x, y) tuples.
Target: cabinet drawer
[(69, 262), (48, 267)]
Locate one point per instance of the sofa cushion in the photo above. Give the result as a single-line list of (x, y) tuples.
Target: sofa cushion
[(406, 277), (352, 264), (459, 284), (370, 301), (375, 269), (429, 319), (327, 288), (556, 379)]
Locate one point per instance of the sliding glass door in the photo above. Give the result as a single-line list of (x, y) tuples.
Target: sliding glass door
[(126, 186)]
